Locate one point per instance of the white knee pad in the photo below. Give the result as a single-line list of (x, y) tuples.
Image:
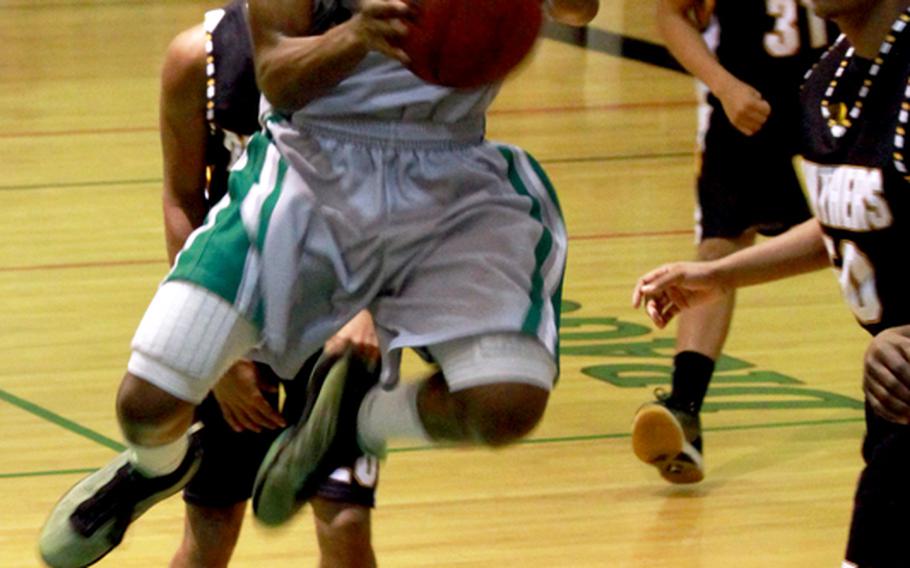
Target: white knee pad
[(187, 339), (495, 358)]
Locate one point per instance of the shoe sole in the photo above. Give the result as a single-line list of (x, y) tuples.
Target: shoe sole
[(62, 547), (659, 440), (680, 470), (290, 473)]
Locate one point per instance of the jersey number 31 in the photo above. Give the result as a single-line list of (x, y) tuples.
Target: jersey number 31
[(784, 41)]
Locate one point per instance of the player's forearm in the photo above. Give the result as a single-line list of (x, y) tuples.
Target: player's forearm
[(183, 203), (688, 46), (296, 70), (798, 251), (572, 12), (292, 68), (177, 228)]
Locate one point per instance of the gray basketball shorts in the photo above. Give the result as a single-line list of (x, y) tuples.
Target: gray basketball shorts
[(442, 238)]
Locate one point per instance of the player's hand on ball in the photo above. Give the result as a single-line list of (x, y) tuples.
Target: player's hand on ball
[(671, 288), (381, 25)]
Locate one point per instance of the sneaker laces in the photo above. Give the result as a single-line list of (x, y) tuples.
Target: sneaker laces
[(115, 499), (666, 398)]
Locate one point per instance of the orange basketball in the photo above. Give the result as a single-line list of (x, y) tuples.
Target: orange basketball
[(468, 43)]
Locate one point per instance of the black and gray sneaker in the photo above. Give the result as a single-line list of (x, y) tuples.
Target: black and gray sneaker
[(669, 438), (324, 438), (90, 520)]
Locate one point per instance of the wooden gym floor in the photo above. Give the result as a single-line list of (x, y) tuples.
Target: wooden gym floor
[(81, 251)]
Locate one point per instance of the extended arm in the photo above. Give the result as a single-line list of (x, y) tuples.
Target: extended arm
[(672, 288), (744, 105)]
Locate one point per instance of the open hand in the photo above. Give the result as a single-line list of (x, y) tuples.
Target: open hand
[(671, 288), (240, 395)]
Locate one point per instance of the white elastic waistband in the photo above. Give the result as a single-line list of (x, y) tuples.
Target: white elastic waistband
[(399, 134)]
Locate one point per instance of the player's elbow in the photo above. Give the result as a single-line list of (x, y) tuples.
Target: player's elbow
[(275, 87)]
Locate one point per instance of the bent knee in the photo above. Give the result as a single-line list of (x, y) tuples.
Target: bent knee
[(501, 414), (149, 415)]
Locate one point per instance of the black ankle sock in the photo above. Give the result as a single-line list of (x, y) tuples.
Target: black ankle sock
[(691, 375)]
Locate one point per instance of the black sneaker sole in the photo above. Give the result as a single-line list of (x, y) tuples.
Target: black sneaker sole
[(294, 467)]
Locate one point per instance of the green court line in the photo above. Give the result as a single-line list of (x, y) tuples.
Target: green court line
[(64, 423), (82, 471), (620, 435), (535, 441), (81, 184)]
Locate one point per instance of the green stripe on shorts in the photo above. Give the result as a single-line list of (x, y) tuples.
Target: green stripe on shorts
[(215, 256), (541, 251)]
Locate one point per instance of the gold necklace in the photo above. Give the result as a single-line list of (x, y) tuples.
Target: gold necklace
[(840, 116)]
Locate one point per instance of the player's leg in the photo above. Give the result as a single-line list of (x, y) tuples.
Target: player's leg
[(666, 433), (188, 338), (186, 341), (216, 496), (344, 533), (497, 393), (878, 526), (209, 537), (492, 280), (492, 390)]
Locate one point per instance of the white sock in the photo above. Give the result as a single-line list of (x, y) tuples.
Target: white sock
[(155, 461), (384, 415)]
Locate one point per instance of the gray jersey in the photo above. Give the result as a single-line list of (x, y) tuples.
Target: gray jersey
[(381, 88), (384, 194)]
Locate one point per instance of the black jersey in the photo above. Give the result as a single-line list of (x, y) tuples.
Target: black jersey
[(231, 93), (769, 45), (857, 183)]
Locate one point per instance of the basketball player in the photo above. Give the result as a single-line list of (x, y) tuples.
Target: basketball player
[(370, 188), (203, 131), (854, 161), (751, 56)]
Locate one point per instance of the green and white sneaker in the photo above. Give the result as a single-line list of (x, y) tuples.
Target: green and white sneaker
[(90, 520), (669, 438), (324, 438)]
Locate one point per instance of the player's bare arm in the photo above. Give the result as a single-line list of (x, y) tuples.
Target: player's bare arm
[(293, 67), (744, 105), (667, 290), (183, 136), (572, 12), (886, 374)]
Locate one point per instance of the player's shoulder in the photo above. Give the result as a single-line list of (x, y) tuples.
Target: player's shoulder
[(184, 61)]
